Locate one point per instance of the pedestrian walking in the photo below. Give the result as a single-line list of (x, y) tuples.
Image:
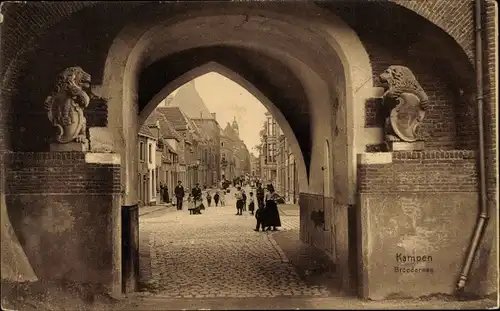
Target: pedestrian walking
[(209, 199), (216, 198), (271, 214), (251, 203), (179, 194), (239, 201), (164, 193), (223, 198), (162, 199), (244, 198), (196, 193)]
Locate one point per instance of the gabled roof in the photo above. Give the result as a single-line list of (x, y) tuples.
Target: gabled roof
[(175, 116), (146, 132), (166, 128), (198, 133)]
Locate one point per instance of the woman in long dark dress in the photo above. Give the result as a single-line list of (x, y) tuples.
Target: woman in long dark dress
[(271, 214)]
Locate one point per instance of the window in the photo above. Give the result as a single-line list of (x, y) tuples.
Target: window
[(141, 151), (269, 126), (222, 144), (150, 153)]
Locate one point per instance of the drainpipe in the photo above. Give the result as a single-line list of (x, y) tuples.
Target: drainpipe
[(483, 215)]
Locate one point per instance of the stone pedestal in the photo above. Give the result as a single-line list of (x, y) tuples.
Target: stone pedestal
[(405, 146), (73, 146)]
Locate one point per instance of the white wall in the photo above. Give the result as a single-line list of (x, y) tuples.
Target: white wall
[(151, 148)]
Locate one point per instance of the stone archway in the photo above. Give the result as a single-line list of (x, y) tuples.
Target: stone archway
[(316, 48), (342, 76)]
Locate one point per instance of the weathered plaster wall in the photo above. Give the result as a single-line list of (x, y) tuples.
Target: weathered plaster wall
[(416, 204), (64, 209), (326, 225)]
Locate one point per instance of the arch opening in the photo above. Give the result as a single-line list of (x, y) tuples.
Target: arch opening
[(214, 66), (337, 89), (315, 72)]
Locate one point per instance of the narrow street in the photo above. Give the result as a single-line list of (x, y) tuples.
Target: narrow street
[(218, 254), (216, 261)]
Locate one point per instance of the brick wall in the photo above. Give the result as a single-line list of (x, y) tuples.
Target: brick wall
[(35, 19), (413, 171), (25, 87), (22, 26), (59, 173), (450, 121), (455, 17), (396, 36), (490, 95)]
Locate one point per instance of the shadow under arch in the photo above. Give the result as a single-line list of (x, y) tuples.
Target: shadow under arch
[(213, 66), (312, 43)]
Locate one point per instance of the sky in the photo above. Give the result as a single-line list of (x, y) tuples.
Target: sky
[(228, 100)]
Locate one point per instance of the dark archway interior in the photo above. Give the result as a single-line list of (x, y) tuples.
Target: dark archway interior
[(268, 75)]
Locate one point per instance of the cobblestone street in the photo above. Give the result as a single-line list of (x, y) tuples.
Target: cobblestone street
[(217, 254)]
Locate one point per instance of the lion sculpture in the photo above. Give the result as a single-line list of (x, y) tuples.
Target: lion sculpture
[(66, 103), (405, 101)]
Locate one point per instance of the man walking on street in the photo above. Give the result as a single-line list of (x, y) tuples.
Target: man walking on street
[(179, 194)]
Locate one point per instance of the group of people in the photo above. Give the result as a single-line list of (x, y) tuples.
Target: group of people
[(267, 214), (196, 196)]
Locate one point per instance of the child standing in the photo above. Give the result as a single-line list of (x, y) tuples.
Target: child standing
[(259, 215), (209, 199), (251, 203), (223, 198), (239, 201), (216, 198)]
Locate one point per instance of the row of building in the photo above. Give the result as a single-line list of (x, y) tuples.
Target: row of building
[(182, 141), (276, 163)]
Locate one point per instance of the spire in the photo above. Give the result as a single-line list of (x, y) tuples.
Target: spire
[(235, 127)]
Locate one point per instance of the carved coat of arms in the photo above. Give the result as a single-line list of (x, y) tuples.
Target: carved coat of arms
[(406, 102), (66, 103)]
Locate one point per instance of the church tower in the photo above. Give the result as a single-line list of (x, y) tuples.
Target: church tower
[(235, 127)]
